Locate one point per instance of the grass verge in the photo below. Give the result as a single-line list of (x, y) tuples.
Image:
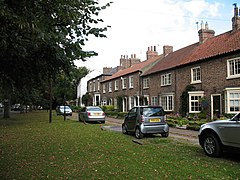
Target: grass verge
[(32, 148)]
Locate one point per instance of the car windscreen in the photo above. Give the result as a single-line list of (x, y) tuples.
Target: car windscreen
[(152, 111), (66, 107), (94, 109)]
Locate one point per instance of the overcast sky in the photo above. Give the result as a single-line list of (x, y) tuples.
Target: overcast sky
[(139, 24)]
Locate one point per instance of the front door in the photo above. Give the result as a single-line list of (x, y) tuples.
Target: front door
[(216, 106)]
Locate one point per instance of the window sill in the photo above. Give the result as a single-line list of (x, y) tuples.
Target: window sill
[(196, 82)]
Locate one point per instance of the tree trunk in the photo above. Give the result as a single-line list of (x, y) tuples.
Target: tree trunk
[(6, 109)]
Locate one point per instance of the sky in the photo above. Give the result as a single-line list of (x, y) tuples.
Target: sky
[(139, 24)]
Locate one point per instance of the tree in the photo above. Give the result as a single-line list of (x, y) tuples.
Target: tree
[(40, 39)]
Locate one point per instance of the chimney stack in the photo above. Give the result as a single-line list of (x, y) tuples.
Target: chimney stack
[(205, 33), (151, 52), (236, 18), (167, 49), (107, 70)]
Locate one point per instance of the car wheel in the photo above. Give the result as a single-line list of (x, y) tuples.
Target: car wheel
[(165, 134), (212, 146), (102, 122), (124, 129), (138, 133)]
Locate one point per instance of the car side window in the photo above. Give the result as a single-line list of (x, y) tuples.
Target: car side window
[(132, 112)]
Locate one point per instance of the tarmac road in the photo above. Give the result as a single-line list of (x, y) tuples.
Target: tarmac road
[(176, 133), (184, 135)]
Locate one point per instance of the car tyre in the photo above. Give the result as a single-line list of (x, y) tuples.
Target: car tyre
[(212, 145), (166, 134), (124, 129), (138, 133)]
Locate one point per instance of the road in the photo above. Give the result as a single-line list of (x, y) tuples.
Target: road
[(184, 135), (176, 133)]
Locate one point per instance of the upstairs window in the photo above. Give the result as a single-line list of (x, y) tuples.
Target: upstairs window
[(104, 88), (196, 75), (116, 85), (94, 85), (124, 83), (146, 83), (98, 85), (233, 68), (131, 82), (110, 87), (90, 87), (166, 79)]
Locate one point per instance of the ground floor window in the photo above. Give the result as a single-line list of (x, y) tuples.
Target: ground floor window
[(194, 101), (232, 100), (131, 102), (154, 100), (115, 103), (166, 101)]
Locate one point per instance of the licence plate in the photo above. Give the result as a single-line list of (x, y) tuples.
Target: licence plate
[(154, 120), (96, 114)]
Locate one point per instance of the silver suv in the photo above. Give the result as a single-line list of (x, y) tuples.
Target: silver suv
[(146, 120), (218, 136)]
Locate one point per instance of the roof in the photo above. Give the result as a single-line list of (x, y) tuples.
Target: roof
[(142, 66), (217, 45)]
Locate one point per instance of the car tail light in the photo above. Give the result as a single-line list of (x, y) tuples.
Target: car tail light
[(89, 114), (142, 118), (103, 114), (165, 118)]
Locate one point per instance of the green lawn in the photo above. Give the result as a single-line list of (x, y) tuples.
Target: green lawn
[(32, 148)]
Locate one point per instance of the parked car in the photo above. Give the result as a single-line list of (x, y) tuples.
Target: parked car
[(219, 136), (143, 120), (60, 110), (92, 114)]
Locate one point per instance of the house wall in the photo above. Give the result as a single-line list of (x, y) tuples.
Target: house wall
[(108, 97), (213, 79)]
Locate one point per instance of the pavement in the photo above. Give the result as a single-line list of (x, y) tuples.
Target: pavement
[(114, 124)]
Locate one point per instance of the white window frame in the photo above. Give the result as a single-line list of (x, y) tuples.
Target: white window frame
[(166, 79), (197, 95), (124, 83), (131, 82), (146, 82), (167, 102), (104, 88), (110, 87), (154, 100), (232, 71), (131, 102), (232, 98), (94, 86), (98, 84), (90, 87), (116, 83), (195, 77)]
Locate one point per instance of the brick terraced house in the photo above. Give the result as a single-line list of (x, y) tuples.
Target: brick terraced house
[(201, 76)]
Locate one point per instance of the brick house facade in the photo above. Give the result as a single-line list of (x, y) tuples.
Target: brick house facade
[(206, 73)]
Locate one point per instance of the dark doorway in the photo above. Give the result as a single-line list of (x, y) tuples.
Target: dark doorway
[(216, 103)]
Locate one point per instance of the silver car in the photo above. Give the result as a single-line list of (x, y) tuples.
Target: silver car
[(143, 120), (61, 110), (92, 114), (219, 136)]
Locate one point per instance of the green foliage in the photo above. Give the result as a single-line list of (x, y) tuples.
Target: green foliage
[(107, 108), (41, 39)]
